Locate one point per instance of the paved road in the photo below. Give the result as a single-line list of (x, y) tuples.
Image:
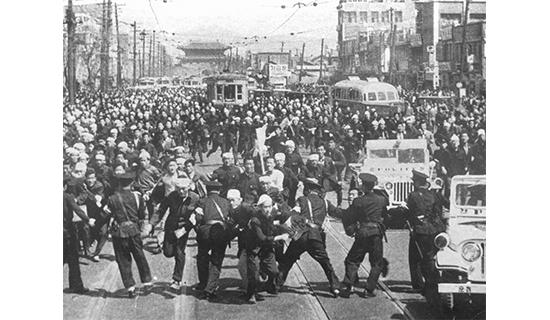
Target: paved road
[(305, 295)]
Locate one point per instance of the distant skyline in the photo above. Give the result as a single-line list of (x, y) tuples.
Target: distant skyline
[(231, 21)]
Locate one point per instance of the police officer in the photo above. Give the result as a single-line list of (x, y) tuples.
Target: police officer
[(181, 202), (128, 212), (424, 216), (315, 209), (368, 211), (213, 235)]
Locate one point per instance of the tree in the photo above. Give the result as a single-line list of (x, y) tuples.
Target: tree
[(89, 55)]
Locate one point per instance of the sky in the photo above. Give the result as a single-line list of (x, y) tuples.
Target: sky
[(231, 21)]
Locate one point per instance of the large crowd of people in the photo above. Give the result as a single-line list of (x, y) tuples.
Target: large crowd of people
[(130, 156)]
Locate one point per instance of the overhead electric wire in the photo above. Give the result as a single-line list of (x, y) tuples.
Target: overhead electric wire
[(284, 22)]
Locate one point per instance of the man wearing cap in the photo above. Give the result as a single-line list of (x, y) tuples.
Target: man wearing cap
[(147, 177), (368, 211), (240, 214), (213, 236), (457, 159), (260, 248), (312, 169), (314, 209), (293, 158), (181, 202), (228, 174), (104, 173), (70, 240), (290, 180), (128, 212), (425, 218), (249, 182)]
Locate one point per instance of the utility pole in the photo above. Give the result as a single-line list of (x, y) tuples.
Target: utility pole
[(108, 45), (301, 63), (151, 41), (103, 45), (464, 53), (142, 65), (139, 62), (71, 53), (392, 45), (230, 58), (282, 46), (321, 60), (134, 61), (118, 62)]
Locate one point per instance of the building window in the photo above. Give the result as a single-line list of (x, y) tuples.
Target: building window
[(385, 16), (398, 16), (352, 17), (363, 16), (374, 16), (477, 16)]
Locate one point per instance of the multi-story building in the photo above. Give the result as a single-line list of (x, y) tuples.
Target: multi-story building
[(450, 58), (364, 22), (433, 19)]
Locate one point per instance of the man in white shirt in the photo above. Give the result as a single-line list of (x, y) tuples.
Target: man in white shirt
[(277, 177)]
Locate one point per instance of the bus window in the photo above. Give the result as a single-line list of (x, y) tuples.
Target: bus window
[(381, 96), (219, 92), (391, 95), (372, 96)]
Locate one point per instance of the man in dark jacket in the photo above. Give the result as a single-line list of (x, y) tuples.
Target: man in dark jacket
[(290, 181), (368, 211), (94, 201), (181, 203), (424, 214), (213, 236), (70, 241), (128, 212)]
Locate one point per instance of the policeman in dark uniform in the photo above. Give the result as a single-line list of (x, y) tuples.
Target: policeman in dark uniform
[(368, 210), (213, 235), (424, 215), (128, 211), (313, 207)]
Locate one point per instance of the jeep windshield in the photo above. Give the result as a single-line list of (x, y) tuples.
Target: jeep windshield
[(403, 155), (470, 195)]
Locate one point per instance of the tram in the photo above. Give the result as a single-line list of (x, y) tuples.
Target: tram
[(361, 95), (227, 88)]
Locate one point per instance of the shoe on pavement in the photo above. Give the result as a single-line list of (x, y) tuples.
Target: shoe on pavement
[(131, 292), (369, 293), (175, 285), (95, 258), (250, 299), (346, 292)]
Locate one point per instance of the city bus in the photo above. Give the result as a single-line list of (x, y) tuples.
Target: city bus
[(361, 95)]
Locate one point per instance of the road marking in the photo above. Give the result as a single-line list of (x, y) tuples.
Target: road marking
[(184, 304)]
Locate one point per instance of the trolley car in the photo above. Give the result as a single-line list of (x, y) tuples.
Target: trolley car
[(227, 88)]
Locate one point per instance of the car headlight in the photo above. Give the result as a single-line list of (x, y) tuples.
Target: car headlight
[(388, 186), (441, 240), (471, 251)]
